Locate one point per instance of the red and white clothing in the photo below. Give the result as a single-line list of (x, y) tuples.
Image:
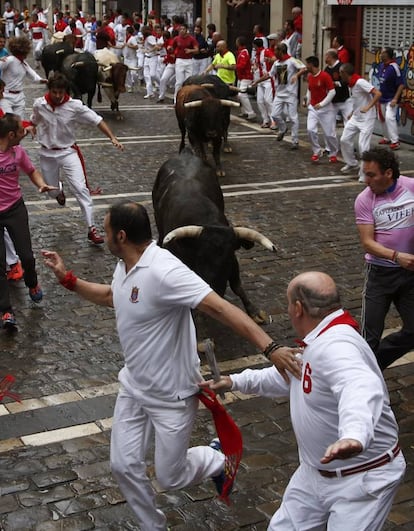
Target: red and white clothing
[(159, 381), (341, 395), (37, 31), (169, 70), (130, 59), (265, 90), (56, 128), (244, 80), (151, 64), (359, 123), (321, 91), (184, 60), (343, 55), (13, 72)]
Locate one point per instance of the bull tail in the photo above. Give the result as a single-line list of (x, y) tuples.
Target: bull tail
[(99, 94)]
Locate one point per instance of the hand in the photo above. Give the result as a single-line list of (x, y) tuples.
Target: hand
[(287, 359), (46, 188), (30, 130), (393, 103), (364, 110), (117, 144), (317, 106), (224, 384), (55, 263), (406, 261), (342, 449)]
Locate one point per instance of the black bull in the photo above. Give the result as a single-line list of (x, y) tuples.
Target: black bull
[(189, 213)]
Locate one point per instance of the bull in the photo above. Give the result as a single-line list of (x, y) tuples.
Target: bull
[(201, 115), (189, 214), (52, 55), (81, 70), (221, 90), (111, 77)]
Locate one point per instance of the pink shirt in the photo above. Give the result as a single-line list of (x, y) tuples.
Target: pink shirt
[(11, 162), (392, 215)]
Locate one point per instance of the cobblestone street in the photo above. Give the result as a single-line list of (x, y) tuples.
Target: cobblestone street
[(54, 446)]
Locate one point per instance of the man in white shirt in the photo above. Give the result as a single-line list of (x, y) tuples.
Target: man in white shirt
[(350, 461), (153, 293)]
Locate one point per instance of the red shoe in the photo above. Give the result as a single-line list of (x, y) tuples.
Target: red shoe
[(333, 159), (36, 293), (15, 272), (394, 146), (8, 321), (315, 158), (94, 236), (384, 142)]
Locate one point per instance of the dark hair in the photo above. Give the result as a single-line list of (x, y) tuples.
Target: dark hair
[(2, 84), (347, 68), (19, 46), (389, 51), (9, 123), (133, 219), (241, 39), (340, 40), (211, 27), (312, 60), (317, 304), (281, 47), (258, 42), (58, 81), (385, 159)]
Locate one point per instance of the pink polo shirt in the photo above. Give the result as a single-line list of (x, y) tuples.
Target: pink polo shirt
[(11, 162)]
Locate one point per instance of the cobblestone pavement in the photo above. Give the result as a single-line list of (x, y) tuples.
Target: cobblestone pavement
[(54, 447)]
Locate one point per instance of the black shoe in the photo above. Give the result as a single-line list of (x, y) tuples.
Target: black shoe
[(281, 136), (294, 146)]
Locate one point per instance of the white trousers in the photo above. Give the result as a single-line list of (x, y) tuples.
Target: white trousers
[(390, 126), (150, 73), (17, 101), (136, 420), (11, 255), (364, 127), (132, 75), (183, 70), (199, 65), (360, 502), (325, 117), (167, 75), (280, 109), (245, 104), (51, 162), (264, 98), (344, 108), (37, 48)]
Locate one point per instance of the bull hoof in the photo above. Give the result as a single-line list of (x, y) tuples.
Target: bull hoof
[(120, 117), (220, 173), (261, 318), (227, 149)]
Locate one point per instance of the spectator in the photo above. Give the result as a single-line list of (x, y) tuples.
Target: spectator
[(202, 58), (344, 55), (224, 63), (244, 78), (342, 101), (291, 38)]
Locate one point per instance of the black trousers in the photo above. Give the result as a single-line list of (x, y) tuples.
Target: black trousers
[(16, 221), (383, 286)]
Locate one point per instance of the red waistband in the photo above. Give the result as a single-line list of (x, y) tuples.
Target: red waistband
[(363, 467)]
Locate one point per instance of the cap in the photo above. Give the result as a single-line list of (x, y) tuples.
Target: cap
[(273, 36)]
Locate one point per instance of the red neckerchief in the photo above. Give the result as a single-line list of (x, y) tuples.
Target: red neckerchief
[(345, 318), (53, 105), (353, 79), (285, 57), (20, 57)]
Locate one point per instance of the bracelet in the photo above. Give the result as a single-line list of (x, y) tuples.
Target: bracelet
[(397, 254), (271, 347), (394, 256), (69, 281)]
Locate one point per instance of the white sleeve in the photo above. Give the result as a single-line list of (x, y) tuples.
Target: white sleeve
[(328, 98), (263, 382)]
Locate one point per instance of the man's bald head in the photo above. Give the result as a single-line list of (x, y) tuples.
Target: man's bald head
[(316, 291)]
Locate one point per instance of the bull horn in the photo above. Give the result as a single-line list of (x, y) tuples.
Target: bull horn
[(77, 63), (193, 104), (254, 236), (59, 52), (233, 88), (106, 68), (188, 231), (135, 68), (230, 103), (207, 85)]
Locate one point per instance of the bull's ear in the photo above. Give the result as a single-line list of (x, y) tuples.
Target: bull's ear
[(246, 244)]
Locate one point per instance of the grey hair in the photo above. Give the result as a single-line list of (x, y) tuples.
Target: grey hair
[(317, 303)]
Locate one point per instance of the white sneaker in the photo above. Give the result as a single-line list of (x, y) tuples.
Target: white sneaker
[(349, 169), (362, 180), (149, 96)]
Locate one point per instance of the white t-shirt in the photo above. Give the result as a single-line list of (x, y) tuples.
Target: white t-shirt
[(282, 71), (361, 97), (156, 330), (130, 54)]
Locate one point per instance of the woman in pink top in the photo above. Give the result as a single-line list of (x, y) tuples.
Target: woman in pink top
[(13, 212)]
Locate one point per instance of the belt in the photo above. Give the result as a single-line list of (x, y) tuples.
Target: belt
[(14, 91), (375, 463), (53, 148)]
